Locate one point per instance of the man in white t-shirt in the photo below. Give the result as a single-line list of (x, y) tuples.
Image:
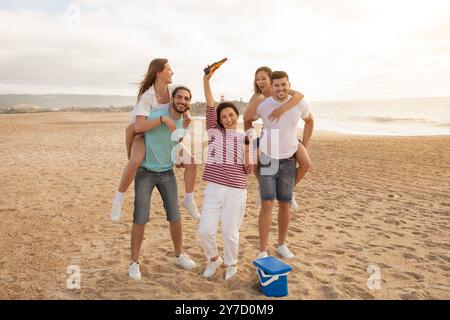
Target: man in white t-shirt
[(277, 166)]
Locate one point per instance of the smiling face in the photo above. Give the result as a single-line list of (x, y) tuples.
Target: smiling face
[(166, 74), (262, 80), (228, 118), (181, 101), (281, 88)]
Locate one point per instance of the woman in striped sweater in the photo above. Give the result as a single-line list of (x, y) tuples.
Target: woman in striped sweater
[(225, 172)]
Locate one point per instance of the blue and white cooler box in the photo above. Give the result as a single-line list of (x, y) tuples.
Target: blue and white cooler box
[(272, 273)]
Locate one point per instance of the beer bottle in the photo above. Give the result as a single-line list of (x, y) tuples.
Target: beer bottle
[(214, 66)]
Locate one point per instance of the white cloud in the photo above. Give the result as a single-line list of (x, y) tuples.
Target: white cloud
[(327, 47)]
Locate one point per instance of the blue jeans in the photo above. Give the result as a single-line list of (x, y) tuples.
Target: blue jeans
[(276, 178), (144, 183)]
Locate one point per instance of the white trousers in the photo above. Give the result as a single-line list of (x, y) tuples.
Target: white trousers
[(226, 204)]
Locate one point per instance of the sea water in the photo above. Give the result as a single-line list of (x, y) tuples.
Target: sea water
[(396, 117)]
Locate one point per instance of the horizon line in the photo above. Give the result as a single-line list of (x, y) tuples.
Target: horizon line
[(315, 101)]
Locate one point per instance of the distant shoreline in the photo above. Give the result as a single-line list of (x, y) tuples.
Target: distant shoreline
[(318, 132), (197, 108), (35, 109)]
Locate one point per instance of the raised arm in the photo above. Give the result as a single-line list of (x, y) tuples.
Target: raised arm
[(207, 88), (288, 105), (211, 116)]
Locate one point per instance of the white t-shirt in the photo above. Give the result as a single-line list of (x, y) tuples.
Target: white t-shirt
[(279, 139), (147, 103)]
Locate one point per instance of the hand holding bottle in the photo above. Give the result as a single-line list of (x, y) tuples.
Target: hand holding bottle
[(214, 66)]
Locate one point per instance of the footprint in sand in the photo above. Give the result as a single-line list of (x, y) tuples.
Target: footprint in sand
[(337, 251), (329, 292), (326, 267), (410, 256), (409, 296), (415, 275), (353, 246)]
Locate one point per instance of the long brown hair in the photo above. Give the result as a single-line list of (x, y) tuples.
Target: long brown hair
[(155, 66), (256, 89)]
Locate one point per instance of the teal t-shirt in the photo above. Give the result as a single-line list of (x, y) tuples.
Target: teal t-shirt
[(160, 142)]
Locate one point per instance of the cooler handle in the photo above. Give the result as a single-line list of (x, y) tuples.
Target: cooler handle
[(272, 277)]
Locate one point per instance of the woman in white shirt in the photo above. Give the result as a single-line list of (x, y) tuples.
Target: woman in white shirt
[(154, 93), (262, 86)]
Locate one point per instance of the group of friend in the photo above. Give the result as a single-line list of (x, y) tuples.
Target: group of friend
[(159, 121)]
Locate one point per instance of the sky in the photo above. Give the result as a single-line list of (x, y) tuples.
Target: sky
[(332, 50)]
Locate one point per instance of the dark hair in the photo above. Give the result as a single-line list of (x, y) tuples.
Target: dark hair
[(279, 75), (224, 105), (256, 89), (181, 88), (155, 66)]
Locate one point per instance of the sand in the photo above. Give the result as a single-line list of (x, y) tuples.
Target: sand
[(381, 201)]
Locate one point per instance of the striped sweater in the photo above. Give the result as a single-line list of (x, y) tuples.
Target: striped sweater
[(226, 154)]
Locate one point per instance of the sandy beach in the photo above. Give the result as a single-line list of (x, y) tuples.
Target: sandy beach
[(367, 201)]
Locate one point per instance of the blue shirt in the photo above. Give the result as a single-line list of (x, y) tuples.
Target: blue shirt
[(160, 143)]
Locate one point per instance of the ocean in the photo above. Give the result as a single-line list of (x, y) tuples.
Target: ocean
[(396, 117), (399, 117)]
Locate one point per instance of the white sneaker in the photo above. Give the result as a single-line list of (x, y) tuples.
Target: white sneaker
[(293, 203), (192, 209), (262, 254), (185, 262), (231, 271), (211, 267), (133, 271), (116, 211), (284, 251)]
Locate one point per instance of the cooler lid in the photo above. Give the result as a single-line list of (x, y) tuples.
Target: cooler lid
[(272, 265)]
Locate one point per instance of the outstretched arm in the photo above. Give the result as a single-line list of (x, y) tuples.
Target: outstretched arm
[(288, 105)]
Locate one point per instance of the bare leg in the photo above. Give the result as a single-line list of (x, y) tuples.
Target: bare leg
[(187, 161), (303, 161), (265, 223), (284, 215), (137, 155), (129, 137), (176, 232), (256, 164), (137, 235), (190, 172)]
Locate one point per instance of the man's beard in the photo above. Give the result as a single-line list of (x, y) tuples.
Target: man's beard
[(175, 108)]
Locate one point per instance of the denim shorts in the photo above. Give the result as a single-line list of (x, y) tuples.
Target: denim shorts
[(144, 183), (276, 178)]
